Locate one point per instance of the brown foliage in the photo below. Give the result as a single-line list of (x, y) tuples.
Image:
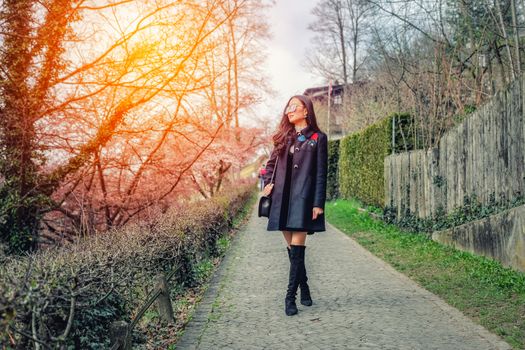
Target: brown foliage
[(70, 295)]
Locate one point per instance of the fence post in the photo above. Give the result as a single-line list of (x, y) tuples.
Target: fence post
[(118, 333), (163, 301), (393, 134)]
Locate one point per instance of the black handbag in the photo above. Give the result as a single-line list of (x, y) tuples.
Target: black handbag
[(265, 202)]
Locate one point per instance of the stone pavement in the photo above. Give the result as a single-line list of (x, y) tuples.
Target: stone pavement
[(360, 302)]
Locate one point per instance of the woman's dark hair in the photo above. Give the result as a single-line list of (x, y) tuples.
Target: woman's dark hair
[(286, 129)]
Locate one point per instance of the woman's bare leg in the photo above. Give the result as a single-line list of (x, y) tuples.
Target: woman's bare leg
[(298, 238), (288, 237)]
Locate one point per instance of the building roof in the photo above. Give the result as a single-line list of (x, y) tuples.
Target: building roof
[(323, 90)]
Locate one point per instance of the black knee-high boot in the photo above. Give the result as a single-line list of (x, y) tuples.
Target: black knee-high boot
[(306, 298), (296, 251)]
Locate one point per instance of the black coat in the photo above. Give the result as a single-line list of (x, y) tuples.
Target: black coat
[(308, 183)]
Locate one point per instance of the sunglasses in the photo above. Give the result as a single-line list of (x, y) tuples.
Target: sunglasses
[(291, 108)]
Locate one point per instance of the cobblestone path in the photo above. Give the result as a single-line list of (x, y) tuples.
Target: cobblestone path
[(360, 302)]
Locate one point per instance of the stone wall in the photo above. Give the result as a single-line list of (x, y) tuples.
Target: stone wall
[(500, 236)]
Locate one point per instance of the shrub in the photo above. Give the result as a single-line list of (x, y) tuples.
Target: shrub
[(361, 164), (68, 296), (361, 158), (332, 186)]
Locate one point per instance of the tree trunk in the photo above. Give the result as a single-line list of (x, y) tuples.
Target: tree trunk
[(341, 28), (17, 133), (506, 38), (516, 37)]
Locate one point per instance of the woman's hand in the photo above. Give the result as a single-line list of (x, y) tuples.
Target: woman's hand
[(316, 212), (267, 189)]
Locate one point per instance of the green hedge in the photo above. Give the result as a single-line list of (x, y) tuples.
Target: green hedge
[(361, 158), (107, 277), (332, 187), (361, 163)]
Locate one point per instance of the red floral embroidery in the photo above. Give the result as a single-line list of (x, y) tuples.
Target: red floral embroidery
[(314, 136)]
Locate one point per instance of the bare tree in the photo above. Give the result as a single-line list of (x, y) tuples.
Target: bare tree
[(330, 56), (94, 94), (359, 11), (438, 60)]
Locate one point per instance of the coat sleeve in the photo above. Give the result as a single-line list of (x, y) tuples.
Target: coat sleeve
[(322, 169), (270, 167)]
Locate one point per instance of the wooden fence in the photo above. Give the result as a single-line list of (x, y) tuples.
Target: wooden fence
[(121, 331), (484, 155)]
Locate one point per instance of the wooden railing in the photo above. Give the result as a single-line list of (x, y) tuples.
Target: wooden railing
[(121, 331)]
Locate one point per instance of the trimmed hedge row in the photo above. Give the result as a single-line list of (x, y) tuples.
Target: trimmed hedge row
[(361, 158), (69, 296), (361, 163), (332, 178)]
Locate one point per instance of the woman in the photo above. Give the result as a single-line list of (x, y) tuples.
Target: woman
[(262, 171), (299, 188)]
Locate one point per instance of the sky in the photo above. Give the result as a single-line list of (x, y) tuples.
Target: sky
[(288, 20)]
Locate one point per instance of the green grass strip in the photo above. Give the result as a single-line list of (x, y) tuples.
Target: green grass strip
[(489, 293)]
